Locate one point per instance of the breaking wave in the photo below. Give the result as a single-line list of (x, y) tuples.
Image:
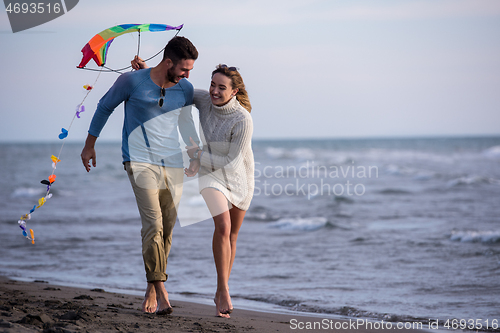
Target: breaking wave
[(304, 224), (470, 236)]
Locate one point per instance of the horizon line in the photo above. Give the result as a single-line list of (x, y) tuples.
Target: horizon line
[(385, 137)]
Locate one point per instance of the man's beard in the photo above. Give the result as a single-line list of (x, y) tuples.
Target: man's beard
[(171, 76)]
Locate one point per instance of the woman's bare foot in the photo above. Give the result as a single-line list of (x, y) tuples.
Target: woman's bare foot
[(150, 304), (217, 312), (224, 305), (164, 306)]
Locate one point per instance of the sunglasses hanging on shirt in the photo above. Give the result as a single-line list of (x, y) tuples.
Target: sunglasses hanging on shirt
[(160, 101)]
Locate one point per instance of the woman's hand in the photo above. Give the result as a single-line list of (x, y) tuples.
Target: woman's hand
[(138, 63)]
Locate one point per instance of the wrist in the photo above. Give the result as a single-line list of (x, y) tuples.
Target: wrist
[(196, 155), (90, 141)]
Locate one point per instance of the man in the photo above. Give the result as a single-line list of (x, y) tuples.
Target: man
[(157, 101)]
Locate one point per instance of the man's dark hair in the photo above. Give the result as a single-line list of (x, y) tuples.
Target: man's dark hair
[(180, 48)]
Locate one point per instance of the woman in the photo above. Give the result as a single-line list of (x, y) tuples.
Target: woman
[(226, 174)]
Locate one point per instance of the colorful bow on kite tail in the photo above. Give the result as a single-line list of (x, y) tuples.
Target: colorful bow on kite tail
[(28, 233)]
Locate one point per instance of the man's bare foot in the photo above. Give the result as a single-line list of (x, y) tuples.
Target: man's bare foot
[(217, 312), (164, 306), (149, 304)]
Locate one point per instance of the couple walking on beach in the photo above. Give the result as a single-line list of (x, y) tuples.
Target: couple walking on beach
[(158, 101)]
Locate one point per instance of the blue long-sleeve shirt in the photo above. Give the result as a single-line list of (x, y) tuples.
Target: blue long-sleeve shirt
[(149, 131)]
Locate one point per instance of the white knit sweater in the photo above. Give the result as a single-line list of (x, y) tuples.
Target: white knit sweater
[(227, 163)]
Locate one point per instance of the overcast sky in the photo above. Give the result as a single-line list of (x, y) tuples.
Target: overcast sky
[(314, 69)]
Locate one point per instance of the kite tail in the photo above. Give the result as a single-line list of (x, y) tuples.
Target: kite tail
[(29, 233)]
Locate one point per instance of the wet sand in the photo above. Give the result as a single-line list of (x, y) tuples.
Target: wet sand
[(40, 307)]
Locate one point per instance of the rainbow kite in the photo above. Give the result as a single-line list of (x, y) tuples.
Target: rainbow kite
[(97, 47)]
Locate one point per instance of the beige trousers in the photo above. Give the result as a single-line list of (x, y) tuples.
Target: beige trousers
[(158, 192)]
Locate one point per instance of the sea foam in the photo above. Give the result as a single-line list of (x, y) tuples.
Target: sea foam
[(493, 152), (28, 192), (304, 224), (475, 236)]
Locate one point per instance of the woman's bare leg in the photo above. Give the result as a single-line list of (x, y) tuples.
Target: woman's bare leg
[(221, 246), (237, 215), (227, 224)]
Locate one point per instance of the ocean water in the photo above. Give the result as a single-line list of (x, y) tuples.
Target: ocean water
[(393, 229)]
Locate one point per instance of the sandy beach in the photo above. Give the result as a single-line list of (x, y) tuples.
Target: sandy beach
[(40, 307)]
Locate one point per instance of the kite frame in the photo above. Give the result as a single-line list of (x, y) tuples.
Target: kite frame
[(118, 71)]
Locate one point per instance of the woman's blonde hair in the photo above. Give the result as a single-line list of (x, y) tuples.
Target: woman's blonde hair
[(236, 83)]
